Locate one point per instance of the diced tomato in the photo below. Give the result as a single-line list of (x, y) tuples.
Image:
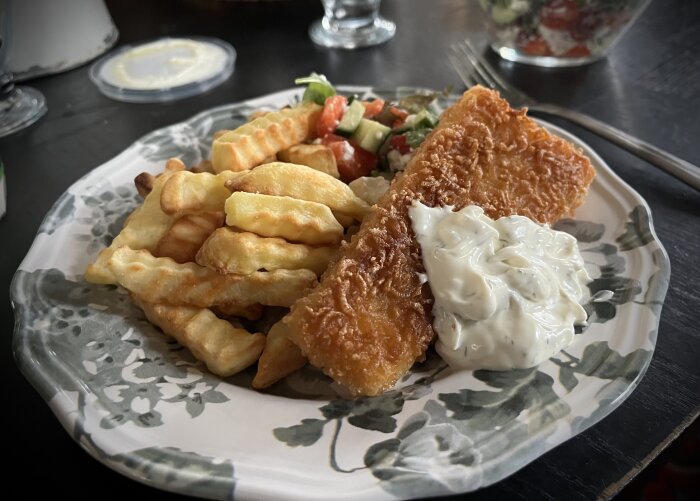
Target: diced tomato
[(333, 138), (535, 46), (559, 14), (578, 51), (372, 108), (330, 117), (352, 161), (400, 116), (400, 144)]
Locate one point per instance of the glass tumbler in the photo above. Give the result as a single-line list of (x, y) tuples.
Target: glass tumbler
[(19, 106), (351, 24), (555, 33)]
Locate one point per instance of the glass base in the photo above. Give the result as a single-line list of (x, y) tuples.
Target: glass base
[(21, 109), (510, 54), (328, 34)]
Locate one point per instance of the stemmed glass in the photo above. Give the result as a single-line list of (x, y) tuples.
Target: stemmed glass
[(19, 106), (350, 24)]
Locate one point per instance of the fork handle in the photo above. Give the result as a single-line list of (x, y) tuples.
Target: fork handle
[(685, 171)]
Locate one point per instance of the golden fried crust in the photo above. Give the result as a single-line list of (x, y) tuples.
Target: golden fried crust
[(370, 318)]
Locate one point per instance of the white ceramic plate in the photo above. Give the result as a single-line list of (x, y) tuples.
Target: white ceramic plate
[(139, 402)]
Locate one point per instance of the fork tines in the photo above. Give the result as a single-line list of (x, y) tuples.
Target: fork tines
[(473, 69)]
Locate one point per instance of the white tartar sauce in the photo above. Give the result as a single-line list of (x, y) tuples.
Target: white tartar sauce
[(507, 292), (164, 64)]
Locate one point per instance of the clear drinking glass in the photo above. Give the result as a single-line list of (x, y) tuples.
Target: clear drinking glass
[(350, 24), (556, 33), (19, 106)]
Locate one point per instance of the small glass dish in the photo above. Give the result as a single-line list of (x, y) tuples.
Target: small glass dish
[(558, 33), (144, 77)]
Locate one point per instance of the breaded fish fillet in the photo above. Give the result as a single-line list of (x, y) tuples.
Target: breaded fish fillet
[(370, 318)]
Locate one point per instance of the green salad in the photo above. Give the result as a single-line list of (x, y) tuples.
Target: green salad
[(369, 135), (561, 28)]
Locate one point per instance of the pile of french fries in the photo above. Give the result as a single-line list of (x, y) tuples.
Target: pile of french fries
[(253, 227)]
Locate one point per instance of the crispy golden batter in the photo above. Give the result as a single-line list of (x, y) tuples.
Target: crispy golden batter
[(370, 318)]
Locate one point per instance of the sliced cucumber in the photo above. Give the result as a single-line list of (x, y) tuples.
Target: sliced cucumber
[(370, 135), (351, 119), (424, 119)]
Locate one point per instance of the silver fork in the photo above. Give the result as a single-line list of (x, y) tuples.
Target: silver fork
[(474, 69)]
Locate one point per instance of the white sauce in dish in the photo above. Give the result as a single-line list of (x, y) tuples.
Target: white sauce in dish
[(164, 64), (507, 292)]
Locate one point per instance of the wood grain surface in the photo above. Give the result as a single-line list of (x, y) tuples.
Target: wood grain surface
[(649, 87)]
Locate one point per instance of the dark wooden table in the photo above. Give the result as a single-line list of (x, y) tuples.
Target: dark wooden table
[(649, 87)]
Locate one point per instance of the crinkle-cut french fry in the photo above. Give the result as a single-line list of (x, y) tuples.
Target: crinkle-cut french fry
[(144, 183), (187, 234), (279, 359), (370, 188), (257, 114), (143, 229), (190, 192), (272, 216), (217, 134), (249, 144), (203, 166), (174, 165), (251, 311), (343, 219), (229, 251), (303, 183), (267, 160), (224, 349), (316, 156), (162, 280)]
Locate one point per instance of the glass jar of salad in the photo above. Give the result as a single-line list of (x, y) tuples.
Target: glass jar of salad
[(557, 33)]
